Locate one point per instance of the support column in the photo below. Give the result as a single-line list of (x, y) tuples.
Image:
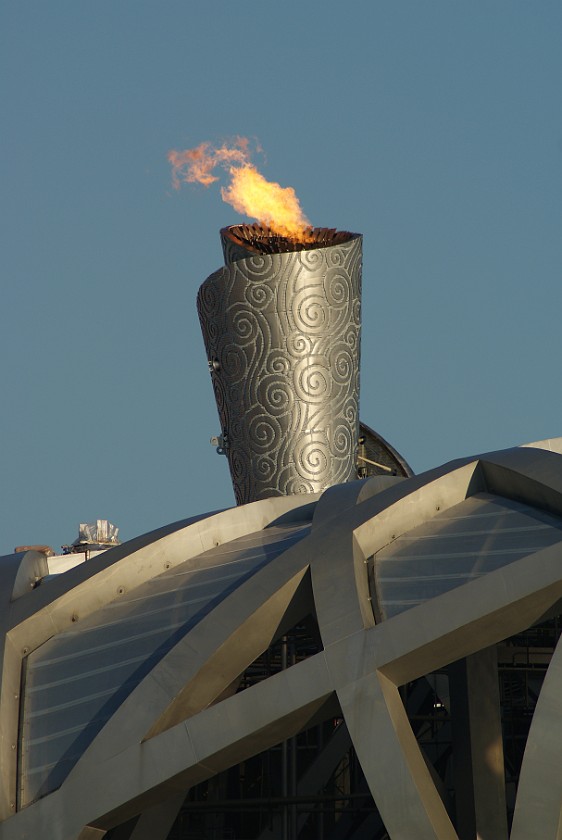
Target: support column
[(478, 747)]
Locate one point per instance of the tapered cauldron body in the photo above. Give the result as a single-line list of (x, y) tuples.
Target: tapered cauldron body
[(281, 325)]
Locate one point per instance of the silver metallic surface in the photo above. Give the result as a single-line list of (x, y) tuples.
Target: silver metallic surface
[(76, 680), (282, 334), (179, 723)]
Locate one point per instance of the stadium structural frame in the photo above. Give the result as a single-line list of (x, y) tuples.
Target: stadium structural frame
[(375, 566)]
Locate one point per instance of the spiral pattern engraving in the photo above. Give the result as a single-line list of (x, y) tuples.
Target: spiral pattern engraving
[(314, 459), (310, 312), (274, 394), (264, 431), (312, 380), (282, 331), (342, 364)]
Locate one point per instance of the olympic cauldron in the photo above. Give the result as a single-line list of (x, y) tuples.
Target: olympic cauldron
[(281, 324)]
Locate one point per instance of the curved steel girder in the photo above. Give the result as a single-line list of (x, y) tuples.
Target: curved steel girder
[(205, 662), (538, 807), (194, 673), (108, 792), (363, 662), (368, 663), (55, 606)]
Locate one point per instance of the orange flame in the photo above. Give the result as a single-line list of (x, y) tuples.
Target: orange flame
[(248, 191)]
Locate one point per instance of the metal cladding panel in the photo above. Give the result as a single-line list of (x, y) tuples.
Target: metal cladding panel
[(282, 334), (477, 536), (75, 681)]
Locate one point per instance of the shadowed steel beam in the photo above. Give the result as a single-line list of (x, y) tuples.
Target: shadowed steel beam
[(363, 662), (392, 762), (478, 759), (203, 664), (314, 779), (538, 807), (215, 739), (369, 663), (56, 606), (155, 823)]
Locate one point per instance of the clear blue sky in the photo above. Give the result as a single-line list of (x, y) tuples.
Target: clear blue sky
[(434, 128)]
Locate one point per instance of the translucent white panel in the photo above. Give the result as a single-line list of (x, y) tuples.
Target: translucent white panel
[(75, 681), (480, 534)]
